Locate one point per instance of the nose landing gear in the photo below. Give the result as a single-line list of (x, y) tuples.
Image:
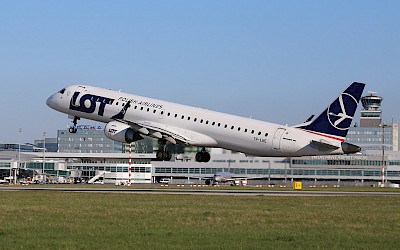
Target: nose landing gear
[(73, 129)]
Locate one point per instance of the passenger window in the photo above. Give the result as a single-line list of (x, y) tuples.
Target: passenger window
[(195, 119), (213, 123), (259, 133), (225, 126), (189, 118), (154, 111), (232, 127), (266, 134), (239, 129), (252, 131), (245, 130), (219, 124), (176, 115), (201, 121), (206, 122)]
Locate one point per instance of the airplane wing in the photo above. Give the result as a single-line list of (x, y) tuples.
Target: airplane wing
[(247, 178), (172, 134)]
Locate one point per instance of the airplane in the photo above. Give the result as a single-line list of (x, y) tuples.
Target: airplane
[(130, 117), (223, 177)]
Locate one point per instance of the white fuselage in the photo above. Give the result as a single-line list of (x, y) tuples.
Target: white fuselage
[(222, 177), (206, 128)]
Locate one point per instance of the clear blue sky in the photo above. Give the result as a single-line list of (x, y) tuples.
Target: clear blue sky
[(278, 61)]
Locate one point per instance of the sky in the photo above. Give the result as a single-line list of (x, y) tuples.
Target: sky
[(277, 61)]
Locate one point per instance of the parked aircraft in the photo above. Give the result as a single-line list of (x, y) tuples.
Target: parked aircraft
[(223, 177), (130, 117)]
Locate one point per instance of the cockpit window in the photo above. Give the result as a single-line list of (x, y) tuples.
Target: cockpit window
[(62, 91)]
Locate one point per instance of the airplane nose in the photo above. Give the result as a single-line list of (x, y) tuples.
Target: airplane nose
[(50, 101)]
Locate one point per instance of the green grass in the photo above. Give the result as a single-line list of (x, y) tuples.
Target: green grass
[(34, 219)]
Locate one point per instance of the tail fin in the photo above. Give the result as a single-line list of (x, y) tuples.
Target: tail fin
[(337, 117)]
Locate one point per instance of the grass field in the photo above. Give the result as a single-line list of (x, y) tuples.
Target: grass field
[(34, 219)]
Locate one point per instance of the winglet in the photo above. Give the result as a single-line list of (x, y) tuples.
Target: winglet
[(336, 119)]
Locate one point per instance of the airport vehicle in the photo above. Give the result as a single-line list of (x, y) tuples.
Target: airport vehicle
[(165, 180), (130, 117)]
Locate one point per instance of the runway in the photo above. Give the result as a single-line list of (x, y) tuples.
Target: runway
[(203, 191)]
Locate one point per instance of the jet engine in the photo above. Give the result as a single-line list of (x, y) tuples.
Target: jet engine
[(121, 132)]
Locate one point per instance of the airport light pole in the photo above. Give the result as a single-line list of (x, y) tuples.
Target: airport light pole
[(19, 146), (19, 157), (383, 154), (44, 157), (269, 172), (130, 164)]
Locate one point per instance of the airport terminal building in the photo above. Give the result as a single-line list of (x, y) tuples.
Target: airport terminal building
[(113, 168)]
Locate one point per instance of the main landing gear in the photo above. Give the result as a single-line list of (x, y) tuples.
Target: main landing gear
[(73, 129), (163, 154), (203, 156)]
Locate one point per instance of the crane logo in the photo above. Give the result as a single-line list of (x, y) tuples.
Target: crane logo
[(341, 111)]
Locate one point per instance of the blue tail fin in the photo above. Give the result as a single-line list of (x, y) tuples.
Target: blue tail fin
[(337, 117)]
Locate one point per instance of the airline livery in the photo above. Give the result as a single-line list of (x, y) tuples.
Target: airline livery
[(129, 118)]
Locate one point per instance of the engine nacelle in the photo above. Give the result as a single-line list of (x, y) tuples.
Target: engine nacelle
[(121, 132)]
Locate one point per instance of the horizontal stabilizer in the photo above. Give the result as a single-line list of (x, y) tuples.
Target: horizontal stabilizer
[(324, 145), (349, 148)]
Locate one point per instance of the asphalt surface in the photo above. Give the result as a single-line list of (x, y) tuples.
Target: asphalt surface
[(203, 191)]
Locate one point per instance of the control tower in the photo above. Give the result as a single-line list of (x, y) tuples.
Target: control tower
[(371, 115)]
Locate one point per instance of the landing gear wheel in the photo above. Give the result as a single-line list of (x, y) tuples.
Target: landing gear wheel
[(167, 155), (199, 157), (203, 156), (163, 155), (159, 155), (72, 130)]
